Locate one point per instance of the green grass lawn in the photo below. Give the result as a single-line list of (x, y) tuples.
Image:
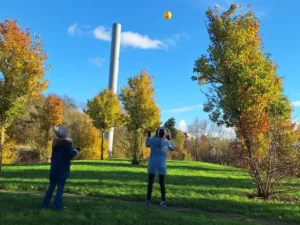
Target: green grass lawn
[(203, 186), (21, 209)]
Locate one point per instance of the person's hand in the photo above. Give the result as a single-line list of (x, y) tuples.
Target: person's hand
[(149, 133), (168, 137), (78, 149)]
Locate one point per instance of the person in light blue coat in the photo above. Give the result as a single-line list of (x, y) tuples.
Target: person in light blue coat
[(159, 145)]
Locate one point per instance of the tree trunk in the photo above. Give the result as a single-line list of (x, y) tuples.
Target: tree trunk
[(2, 146), (47, 147), (102, 145), (135, 148), (255, 172), (141, 147)]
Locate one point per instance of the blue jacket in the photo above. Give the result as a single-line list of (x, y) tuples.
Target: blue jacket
[(62, 153), (158, 155)]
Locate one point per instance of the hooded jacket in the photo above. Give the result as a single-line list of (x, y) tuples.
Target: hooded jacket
[(62, 153)]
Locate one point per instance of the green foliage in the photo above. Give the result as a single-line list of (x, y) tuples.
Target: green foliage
[(170, 125)]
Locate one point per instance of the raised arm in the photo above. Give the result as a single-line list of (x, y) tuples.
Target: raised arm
[(71, 153), (170, 145), (148, 140)]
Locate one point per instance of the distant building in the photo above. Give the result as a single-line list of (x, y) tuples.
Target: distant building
[(189, 136)]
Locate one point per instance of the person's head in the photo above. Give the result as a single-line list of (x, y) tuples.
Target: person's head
[(160, 132), (60, 131)]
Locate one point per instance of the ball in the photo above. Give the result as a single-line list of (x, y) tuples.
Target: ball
[(167, 15)]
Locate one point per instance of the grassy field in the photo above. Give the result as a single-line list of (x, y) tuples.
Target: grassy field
[(201, 186), (21, 209)]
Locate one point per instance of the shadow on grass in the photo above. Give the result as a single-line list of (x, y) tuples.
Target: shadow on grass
[(80, 206), (184, 190), (94, 210), (194, 166), (128, 176)]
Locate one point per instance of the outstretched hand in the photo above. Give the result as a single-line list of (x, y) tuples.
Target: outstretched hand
[(149, 133), (168, 137), (78, 149)]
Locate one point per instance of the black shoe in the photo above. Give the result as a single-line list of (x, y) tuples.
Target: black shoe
[(147, 202)]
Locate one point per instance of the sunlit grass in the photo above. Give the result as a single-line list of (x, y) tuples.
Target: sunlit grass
[(203, 186)]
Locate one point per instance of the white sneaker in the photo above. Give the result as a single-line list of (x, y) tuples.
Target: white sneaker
[(163, 204)]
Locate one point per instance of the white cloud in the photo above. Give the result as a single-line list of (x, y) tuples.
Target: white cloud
[(102, 33), (74, 29), (137, 40), (296, 103), (182, 126), (176, 38), (184, 109), (222, 131), (97, 61)]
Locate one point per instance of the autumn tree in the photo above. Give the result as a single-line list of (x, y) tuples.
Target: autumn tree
[(22, 72), (25, 130), (82, 131), (138, 100), (244, 91), (105, 111), (48, 114)]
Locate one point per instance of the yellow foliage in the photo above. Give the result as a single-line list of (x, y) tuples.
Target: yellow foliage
[(105, 111), (90, 144), (9, 152), (139, 103), (55, 110)]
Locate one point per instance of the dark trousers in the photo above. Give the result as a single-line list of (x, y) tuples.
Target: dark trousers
[(58, 201), (162, 186)]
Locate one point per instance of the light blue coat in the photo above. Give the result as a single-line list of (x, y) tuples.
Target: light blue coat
[(157, 161)]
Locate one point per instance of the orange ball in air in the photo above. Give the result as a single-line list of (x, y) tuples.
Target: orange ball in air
[(168, 15)]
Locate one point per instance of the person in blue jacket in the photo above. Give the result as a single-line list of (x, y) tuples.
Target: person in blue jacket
[(159, 145), (62, 153)]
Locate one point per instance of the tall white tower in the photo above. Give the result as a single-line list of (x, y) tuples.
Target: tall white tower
[(113, 72)]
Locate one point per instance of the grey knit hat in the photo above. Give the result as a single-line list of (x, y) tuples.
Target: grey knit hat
[(60, 131)]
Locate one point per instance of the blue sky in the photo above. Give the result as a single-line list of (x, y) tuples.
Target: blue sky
[(76, 37)]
